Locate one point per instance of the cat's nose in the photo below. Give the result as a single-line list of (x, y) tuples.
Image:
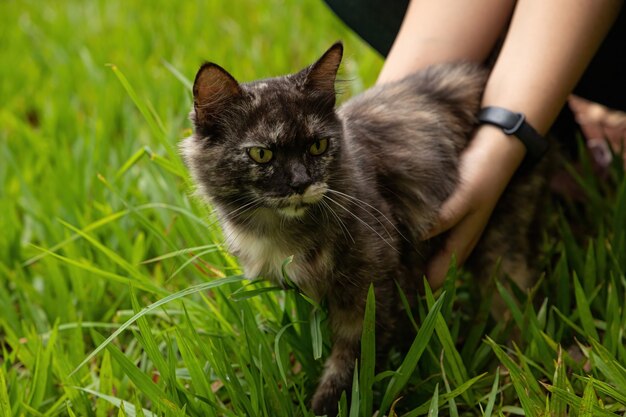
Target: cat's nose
[(300, 179), (299, 185)]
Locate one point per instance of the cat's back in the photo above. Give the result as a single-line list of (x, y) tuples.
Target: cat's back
[(439, 97), (410, 133)]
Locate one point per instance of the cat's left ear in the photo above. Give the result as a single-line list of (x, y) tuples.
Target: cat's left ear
[(320, 77), (213, 89)]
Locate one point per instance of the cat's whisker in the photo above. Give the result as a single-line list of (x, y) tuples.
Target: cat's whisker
[(363, 222), (235, 233), (232, 215), (326, 219), (358, 200), (216, 212), (241, 211), (372, 215), (342, 225), (281, 224), (324, 208)]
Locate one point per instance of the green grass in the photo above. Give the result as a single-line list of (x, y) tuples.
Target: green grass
[(116, 297)]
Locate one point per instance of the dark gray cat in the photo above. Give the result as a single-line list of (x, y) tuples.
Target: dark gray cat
[(349, 193)]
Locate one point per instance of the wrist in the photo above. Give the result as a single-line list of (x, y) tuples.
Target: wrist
[(514, 124), (496, 155), (487, 166), (496, 144)]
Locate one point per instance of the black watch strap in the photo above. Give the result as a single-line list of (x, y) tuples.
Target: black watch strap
[(515, 124)]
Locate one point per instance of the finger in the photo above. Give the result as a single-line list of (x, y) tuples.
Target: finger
[(453, 210), (615, 129), (437, 269), (460, 242)]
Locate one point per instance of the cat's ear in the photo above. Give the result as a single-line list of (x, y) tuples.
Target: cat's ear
[(213, 88), (321, 75)]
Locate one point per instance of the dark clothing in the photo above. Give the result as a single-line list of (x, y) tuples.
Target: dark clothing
[(378, 22)]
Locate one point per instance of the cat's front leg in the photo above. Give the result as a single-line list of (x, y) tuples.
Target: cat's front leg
[(346, 326)]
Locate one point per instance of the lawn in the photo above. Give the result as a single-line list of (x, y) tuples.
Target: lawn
[(117, 298)]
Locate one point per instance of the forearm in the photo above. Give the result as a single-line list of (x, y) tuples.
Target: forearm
[(444, 31), (547, 48), (548, 45)]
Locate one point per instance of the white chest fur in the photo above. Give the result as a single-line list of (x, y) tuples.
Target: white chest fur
[(258, 255), (267, 256)]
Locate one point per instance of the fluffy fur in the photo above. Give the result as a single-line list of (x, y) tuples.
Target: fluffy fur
[(355, 213)]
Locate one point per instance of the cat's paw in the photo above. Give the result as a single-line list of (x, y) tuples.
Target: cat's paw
[(326, 399)]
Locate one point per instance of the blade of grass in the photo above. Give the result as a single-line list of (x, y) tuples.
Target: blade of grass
[(70, 413), (157, 130), (491, 398), (575, 254), (400, 379), (423, 409), (180, 294), (576, 402), (315, 326), (128, 407), (619, 220), (613, 335), (117, 259), (90, 227), (608, 390), (355, 399), (589, 277), (245, 295), (567, 321), (407, 307), (368, 353), (532, 405), (179, 76), (584, 311), (105, 385), (563, 296), (109, 219), (149, 343), (454, 412), (200, 381), (134, 158), (602, 359), (142, 381), (105, 274), (279, 360), (516, 313), (5, 405), (39, 382), (180, 252), (451, 355), (433, 410), (558, 407)]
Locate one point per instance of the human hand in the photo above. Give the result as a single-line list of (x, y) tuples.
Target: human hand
[(486, 168), (600, 125)]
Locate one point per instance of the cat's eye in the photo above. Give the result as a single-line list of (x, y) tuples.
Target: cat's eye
[(260, 155), (318, 147)]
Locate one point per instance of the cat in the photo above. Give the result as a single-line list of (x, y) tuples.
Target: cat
[(349, 193)]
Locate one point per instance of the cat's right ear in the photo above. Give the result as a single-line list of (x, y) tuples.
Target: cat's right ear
[(213, 89), (320, 76)]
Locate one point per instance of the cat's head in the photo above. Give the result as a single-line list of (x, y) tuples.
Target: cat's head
[(271, 143)]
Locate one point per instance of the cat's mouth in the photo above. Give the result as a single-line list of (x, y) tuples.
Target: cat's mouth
[(294, 210), (296, 205)]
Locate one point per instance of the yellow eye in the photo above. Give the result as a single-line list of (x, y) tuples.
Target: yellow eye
[(260, 155), (319, 147)]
